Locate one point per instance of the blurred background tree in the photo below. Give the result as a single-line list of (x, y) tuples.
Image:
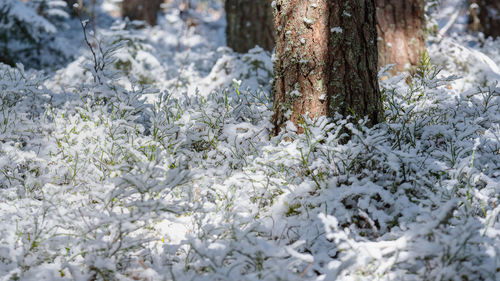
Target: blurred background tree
[(485, 17), (146, 10), (249, 23), (401, 33)]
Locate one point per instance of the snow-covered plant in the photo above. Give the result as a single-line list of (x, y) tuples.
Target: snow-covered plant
[(53, 10), (27, 31), (104, 177), (137, 60), (103, 132), (393, 202)]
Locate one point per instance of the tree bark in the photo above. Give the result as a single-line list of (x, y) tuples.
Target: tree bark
[(326, 54), (249, 23), (487, 17), (401, 36), (146, 10)]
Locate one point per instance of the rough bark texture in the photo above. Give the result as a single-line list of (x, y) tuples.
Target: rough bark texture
[(146, 10), (487, 17), (249, 23), (326, 54), (401, 37)]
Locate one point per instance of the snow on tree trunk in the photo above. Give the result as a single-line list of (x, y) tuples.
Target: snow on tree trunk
[(489, 17), (401, 38), (141, 10), (249, 23), (326, 60)]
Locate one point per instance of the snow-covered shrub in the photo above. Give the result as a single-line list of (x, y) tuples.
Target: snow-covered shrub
[(254, 67), (97, 178), (137, 59), (106, 180), (27, 32), (133, 60), (413, 198)]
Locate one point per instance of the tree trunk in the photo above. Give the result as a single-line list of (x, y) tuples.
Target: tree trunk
[(70, 4), (249, 23), (486, 15), (145, 10), (400, 27), (326, 54)]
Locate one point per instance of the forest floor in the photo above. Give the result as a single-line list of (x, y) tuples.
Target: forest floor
[(155, 162)]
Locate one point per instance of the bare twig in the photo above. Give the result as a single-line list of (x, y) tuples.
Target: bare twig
[(307, 269), (369, 221), (83, 24)]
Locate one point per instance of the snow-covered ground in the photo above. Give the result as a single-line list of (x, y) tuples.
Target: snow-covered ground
[(160, 165)]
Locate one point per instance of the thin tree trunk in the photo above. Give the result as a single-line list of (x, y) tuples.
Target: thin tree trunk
[(401, 36), (486, 16), (70, 3), (326, 54), (146, 10), (71, 8), (249, 23)]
